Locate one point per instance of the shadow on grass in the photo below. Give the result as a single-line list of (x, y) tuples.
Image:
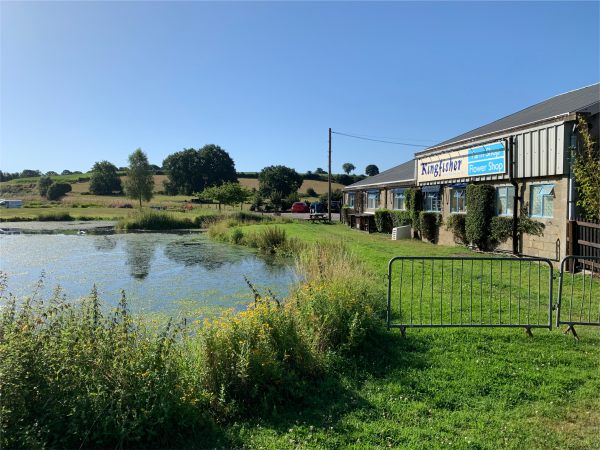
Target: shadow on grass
[(324, 403)]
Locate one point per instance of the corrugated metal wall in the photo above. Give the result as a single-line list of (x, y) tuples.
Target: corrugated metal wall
[(541, 152)]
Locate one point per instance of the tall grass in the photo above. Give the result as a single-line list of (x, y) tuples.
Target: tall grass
[(154, 220), (55, 216), (78, 375)]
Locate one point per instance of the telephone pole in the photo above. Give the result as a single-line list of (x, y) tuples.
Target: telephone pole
[(329, 181)]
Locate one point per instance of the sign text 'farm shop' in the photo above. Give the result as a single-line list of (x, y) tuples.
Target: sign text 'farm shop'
[(473, 162)]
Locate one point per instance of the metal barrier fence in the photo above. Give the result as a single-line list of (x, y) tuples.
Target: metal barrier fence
[(437, 291), (578, 301)]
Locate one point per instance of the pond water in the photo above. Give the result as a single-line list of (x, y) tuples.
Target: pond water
[(184, 275)]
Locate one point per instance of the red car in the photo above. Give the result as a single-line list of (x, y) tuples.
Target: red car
[(299, 207)]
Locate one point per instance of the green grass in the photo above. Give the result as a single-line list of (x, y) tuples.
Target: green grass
[(320, 372), (447, 388)]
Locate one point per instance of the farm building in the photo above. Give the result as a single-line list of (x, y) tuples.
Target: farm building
[(385, 190), (525, 156)]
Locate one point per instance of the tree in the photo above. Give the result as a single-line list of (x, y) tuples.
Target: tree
[(51, 173), (587, 172), (280, 179), (320, 171), (372, 170), (28, 173), (217, 165), (348, 167), (140, 181), (227, 194), (104, 179), (66, 172), (57, 190), (193, 170), (43, 185)]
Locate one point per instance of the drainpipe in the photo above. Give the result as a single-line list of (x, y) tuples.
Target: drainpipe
[(572, 148), (513, 181)]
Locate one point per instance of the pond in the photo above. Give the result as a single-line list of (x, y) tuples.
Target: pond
[(183, 275)]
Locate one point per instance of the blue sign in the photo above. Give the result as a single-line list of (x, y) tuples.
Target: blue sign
[(487, 160)]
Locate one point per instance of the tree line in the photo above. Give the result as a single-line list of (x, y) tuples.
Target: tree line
[(208, 173)]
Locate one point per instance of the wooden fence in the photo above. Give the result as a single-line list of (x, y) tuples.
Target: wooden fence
[(583, 239)]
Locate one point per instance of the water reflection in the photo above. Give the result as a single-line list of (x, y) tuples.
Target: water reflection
[(103, 243), (161, 272), (139, 257), (197, 253)]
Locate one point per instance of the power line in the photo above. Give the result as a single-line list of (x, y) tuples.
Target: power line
[(389, 138), (378, 140)]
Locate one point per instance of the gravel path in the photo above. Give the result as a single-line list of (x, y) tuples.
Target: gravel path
[(57, 226)]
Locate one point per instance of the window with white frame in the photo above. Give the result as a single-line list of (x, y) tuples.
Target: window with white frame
[(458, 200), (373, 200), (504, 200), (432, 202), (399, 202), (351, 200), (542, 200)]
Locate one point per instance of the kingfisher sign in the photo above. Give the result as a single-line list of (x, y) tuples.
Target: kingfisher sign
[(472, 162)]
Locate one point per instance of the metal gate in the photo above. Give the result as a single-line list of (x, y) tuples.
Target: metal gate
[(578, 292), (438, 291)]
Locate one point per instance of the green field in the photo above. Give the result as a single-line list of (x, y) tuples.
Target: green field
[(79, 204), (444, 388)]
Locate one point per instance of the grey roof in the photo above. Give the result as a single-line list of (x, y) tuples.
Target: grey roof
[(404, 173), (563, 104)]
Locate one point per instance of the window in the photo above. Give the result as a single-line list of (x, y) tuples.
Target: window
[(432, 202), (399, 200), (351, 200), (458, 201), (542, 200), (373, 200), (504, 200)]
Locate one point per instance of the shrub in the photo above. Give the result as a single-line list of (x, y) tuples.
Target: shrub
[(383, 221), (401, 218), (480, 207), (501, 227), (311, 192), (57, 190), (456, 224), (429, 225), (500, 230), (154, 220), (55, 216)]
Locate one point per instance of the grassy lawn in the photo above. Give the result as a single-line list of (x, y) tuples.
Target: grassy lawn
[(488, 388)]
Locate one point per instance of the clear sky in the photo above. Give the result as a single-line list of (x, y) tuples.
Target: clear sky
[(82, 82)]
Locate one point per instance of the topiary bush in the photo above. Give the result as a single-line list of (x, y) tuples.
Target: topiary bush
[(429, 225), (456, 224), (414, 205), (480, 207), (383, 220)]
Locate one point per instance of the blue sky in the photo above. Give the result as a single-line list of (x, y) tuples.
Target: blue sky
[(82, 82)]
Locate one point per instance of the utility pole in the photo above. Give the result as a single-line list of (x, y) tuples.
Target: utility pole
[(329, 180)]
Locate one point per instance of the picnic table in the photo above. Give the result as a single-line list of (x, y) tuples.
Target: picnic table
[(318, 217)]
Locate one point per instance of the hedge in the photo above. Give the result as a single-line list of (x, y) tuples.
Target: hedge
[(429, 225), (456, 224), (383, 220)]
